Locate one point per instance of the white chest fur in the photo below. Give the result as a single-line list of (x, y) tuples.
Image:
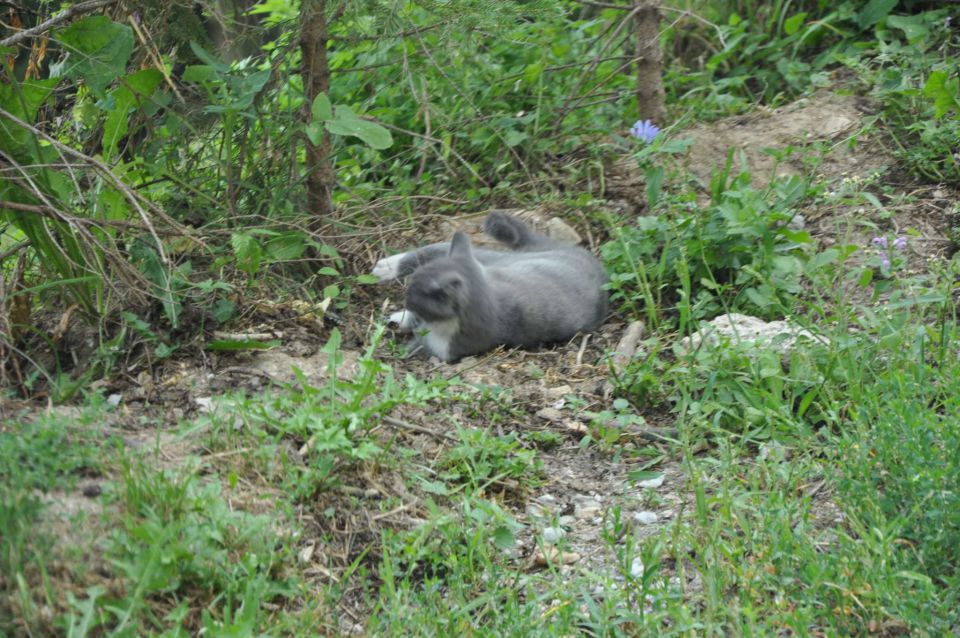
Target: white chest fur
[(437, 340)]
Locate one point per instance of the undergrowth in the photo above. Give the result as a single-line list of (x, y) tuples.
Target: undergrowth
[(818, 480)]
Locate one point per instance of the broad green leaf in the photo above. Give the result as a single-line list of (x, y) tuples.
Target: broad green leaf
[(874, 12), (758, 298), (654, 185), (644, 475), (22, 100), (286, 247), (199, 73), (135, 88), (314, 133), (241, 344), (322, 110), (828, 256), (223, 309), (503, 538), (514, 137), (97, 51), (944, 91), (793, 23), (248, 252), (208, 59), (912, 26), (346, 122)]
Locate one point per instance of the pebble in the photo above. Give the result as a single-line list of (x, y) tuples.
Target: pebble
[(636, 568), (553, 555), (550, 414), (552, 534), (652, 483), (645, 518), (547, 500)]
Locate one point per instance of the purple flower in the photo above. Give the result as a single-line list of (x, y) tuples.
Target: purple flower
[(884, 261), (900, 243), (644, 130), (879, 242)]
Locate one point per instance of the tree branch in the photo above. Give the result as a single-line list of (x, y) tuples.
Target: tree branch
[(83, 7)]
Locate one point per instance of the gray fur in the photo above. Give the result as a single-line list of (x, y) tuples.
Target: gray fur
[(469, 300)]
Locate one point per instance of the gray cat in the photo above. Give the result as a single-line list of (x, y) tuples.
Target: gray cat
[(464, 300)]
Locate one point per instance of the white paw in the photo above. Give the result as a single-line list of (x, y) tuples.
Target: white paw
[(402, 321), (387, 269)]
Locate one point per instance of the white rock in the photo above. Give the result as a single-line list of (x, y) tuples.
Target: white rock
[(636, 568), (552, 534), (550, 414), (748, 330), (652, 483), (645, 518), (557, 229)]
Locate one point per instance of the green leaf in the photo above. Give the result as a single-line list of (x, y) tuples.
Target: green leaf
[(132, 91), (792, 24), (162, 351), (208, 59), (314, 132), (367, 279), (286, 247), (758, 298), (97, 51), (944, 91), (503, 538), (654, 185), (874, 12), (514, 137), (372, 134), (201, 74), (828, 256), (248, 252), (22, 100), (643, 475), (223, 309), (912, 26), (322, 110), (865, 277)]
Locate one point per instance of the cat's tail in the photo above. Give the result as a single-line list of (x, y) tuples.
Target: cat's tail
[(511, 231)]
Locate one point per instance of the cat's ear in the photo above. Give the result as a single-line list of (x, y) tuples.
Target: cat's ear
[(460, 245)]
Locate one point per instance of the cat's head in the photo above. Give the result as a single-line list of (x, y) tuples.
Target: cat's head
[(441, 289)]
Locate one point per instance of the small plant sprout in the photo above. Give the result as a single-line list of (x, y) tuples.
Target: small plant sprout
[(645, 130)]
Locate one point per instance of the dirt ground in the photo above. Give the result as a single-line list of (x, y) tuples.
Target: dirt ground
[(550, 388)]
